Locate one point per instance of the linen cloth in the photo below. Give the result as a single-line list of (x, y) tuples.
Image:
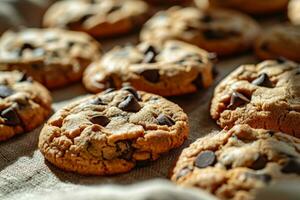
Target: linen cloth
[(24, 174)]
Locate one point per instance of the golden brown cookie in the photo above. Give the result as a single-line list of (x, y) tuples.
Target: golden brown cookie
[(224, 32), (112, 132), (266, 95), (175, 68), (279, 41), (99, 18), (234, 164), (53, 57), (24, 104)]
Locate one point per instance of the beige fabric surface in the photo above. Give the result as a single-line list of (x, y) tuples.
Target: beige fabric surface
[(24, 174)]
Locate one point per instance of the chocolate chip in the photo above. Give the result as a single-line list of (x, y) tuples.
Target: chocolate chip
[(97, 101), (281, 60), (260, 162), (130, 104), (25, 77), (163, 119), (151, 75), (70, 44), (205, 159), (114, 8), (100, 120), (198, 81), (5, 91), (132, 91), (183, 172), (237, 99), (291, 166), (266, 178), (85, 17), (109, 90), (10, 116), (207, 19), (150, 55), (27, 46), (263, 80)]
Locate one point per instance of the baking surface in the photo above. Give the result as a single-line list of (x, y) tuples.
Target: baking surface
[(24, 170)]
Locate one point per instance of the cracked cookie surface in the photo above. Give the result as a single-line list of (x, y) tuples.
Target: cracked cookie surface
[(112, 132), (266, 95), (24, 104), (100, 18), (224, 32), (253, 6), (279, 41), (234, 164), (176, 68), (53, 57)]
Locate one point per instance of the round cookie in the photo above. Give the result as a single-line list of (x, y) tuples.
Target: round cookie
[(294, 11), (24, 104), (235, 164), (279, 41), (99, 18), (224, 32), (112, 132), (266, 95), (252, 6), (53, 57), (175, 68)]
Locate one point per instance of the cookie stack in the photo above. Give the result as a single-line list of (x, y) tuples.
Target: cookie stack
[(126, 123)]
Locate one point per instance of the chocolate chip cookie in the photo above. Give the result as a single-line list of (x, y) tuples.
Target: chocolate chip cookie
[(294, 11), (234, 164), (266, 95), (99, 18), (53, 57), (24, 104), (252, 6), (279, 41), (175, 68), (112, 132), (222, 31)]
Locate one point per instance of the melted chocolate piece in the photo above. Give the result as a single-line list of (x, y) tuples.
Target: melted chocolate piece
[(205, 159), (151, 75), (130, 104), (237, 99), (163, 119), (263, 80), (10, 116), (100, 120)]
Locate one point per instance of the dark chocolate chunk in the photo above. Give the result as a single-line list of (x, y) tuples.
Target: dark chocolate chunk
[(260, 162), (10, 116), (5, 91), (163, 119), (85, 17), (130, 104), (237, 99), (291, 166), (281, 60), (198, 81), (133, 92), (27, 46), (25, 77), (205, 159), (150, 55), (266, 178), (183, 172), (114, 8), (151, 75), (97, 101), (263, 80), (100, 120)]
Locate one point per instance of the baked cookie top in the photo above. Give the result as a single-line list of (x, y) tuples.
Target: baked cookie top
[(97, 17), (50, 56), (24, 104), (253, 6), (234, 164), (280, 40), (266, 95), (294, 11), (174, 68), (111, 132), (222, 31)]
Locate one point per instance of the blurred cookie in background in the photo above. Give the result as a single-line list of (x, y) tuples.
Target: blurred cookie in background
[(279, 41), (169, 2), (52, 57), (256, 7), (24, 104), (99, 18), (176, 68), (225, 32), (294, 11)]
